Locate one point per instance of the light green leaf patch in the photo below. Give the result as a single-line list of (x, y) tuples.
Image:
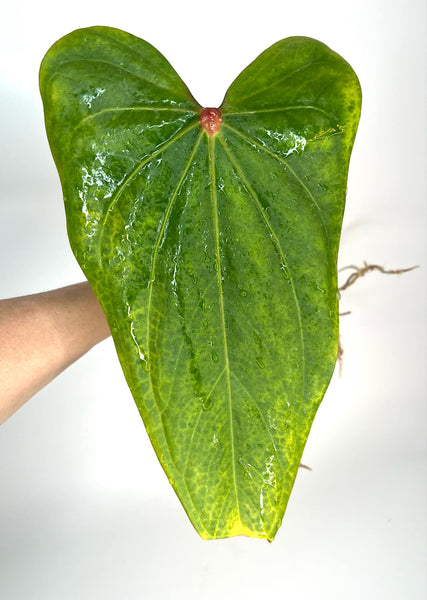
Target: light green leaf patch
[(212, 251)]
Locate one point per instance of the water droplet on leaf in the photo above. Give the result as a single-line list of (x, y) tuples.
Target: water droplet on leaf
[(206, 403)]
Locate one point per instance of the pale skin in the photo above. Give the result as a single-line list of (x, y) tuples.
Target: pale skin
[(40, 336)]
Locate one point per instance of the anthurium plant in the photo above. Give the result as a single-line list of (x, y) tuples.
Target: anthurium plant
[(210, 237)]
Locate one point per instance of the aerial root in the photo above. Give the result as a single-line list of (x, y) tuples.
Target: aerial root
[(359, 272)]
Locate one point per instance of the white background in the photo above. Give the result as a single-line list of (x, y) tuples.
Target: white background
[(85, 510)]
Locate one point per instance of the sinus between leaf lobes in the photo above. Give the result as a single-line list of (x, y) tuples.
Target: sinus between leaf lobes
[(210, 120)]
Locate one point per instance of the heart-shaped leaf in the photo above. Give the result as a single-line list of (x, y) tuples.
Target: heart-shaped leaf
[(210, 238)]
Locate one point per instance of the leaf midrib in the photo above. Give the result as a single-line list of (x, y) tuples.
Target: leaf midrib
[(214, 201)]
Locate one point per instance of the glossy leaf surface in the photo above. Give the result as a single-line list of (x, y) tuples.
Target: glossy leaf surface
[(213, 254)]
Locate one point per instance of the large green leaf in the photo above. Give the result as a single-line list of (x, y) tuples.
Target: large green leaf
[(211, 240)]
